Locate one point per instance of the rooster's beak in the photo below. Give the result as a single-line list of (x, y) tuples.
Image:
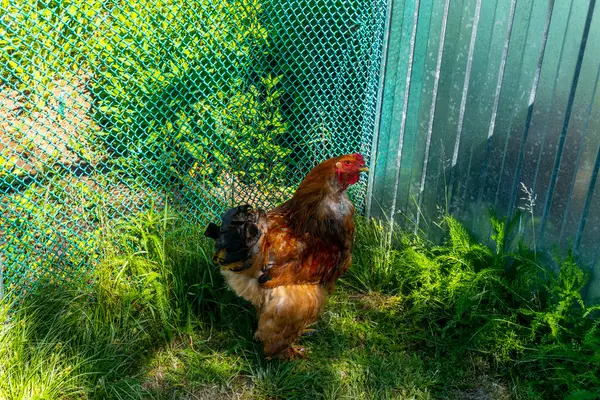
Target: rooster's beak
[(364, 169)]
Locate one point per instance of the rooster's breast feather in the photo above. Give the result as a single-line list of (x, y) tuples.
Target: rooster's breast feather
[(310, 256)]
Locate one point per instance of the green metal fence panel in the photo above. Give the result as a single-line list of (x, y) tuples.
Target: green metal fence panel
[(484, 101), (108, 107)]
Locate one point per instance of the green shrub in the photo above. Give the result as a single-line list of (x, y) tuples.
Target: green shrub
[(177, 95), (509, 306), (43, 40), (179, 88)]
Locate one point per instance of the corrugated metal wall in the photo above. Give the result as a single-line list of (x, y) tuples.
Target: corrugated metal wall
[(482, 99)]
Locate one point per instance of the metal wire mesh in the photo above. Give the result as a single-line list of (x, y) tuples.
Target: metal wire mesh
[(107, 107)]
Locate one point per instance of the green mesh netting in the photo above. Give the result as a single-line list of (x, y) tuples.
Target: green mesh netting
[(108, 107)]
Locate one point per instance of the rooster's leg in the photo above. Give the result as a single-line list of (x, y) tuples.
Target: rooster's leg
[(308, 331), (286, 314)]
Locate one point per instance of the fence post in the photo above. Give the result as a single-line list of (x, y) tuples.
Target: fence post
[(382, 69), (1, 280)]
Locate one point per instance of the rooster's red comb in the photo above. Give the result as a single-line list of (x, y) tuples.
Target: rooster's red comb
[(359, 157)]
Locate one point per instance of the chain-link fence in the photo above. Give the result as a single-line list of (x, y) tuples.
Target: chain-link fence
[(107, 107)]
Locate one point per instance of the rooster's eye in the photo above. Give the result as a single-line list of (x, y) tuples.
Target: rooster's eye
[(347, 162)]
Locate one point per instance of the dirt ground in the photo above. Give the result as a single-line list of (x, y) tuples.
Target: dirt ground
[(37, 133)]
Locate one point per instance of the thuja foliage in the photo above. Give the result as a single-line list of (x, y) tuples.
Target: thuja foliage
[(521, 311)]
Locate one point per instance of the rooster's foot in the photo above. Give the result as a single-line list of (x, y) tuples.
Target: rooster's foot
[(294, 351)]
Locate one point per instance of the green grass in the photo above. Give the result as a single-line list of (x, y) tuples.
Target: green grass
[(411, 320)]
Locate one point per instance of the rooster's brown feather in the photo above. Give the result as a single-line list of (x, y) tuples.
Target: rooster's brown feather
[(303, 247)]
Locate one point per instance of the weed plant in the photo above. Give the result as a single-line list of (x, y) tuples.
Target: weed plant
[(510, 307)]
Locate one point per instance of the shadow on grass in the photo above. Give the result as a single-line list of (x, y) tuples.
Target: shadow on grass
[(356, 353), (133, 330), (108, 327)]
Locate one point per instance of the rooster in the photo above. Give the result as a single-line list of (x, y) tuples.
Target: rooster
[(287, 260)]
